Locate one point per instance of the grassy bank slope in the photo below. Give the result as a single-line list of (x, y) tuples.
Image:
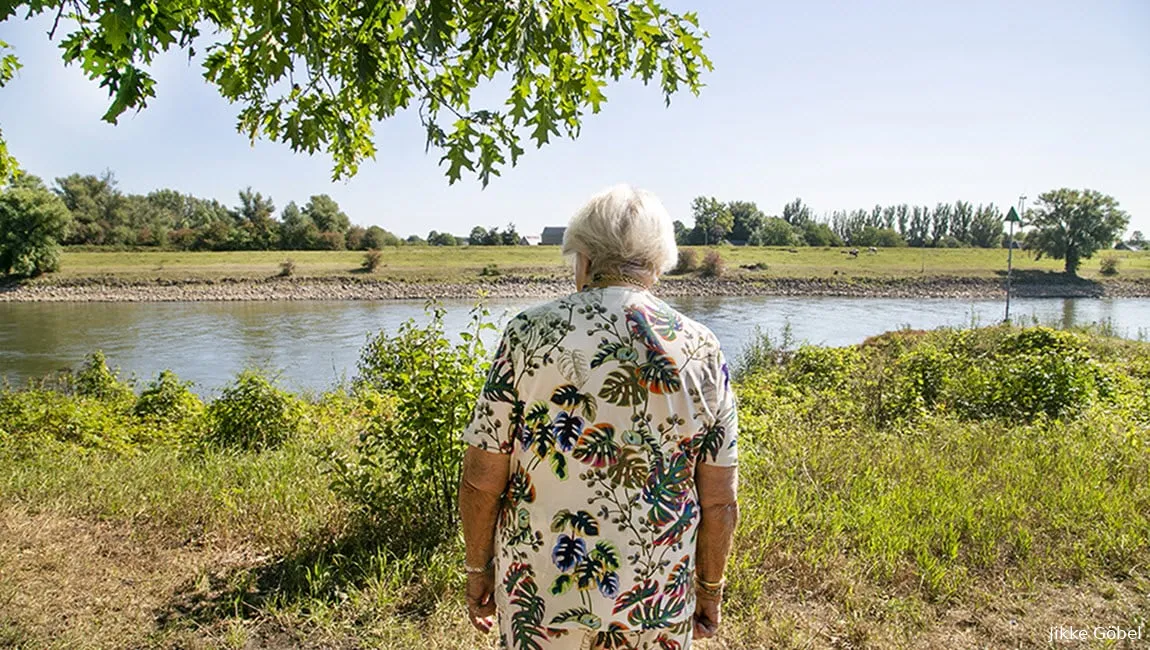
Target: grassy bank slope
[(925, 489), (465, 264)]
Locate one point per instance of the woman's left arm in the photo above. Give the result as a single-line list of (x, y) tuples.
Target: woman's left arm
[(481, 491)]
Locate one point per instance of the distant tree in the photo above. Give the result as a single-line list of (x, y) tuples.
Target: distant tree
[(746, 219), (797, 214), (440, 239), (1072, 225), (255, 217), (940, 223), (713, 221), (415, 240), (960, 221), (820, 234), (775, 232), (510, 237), (376, 238), (33, 222), (879, 237), (331, 241), (297, 230), (682, 233), (97, 206), (326, 215), (478, 236), (986, 227), (354, 238), (1137, 239)]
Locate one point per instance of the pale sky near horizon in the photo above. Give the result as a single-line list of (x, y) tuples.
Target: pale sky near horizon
[(845, 104)]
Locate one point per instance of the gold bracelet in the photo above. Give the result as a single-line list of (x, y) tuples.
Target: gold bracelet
[(712, 586), (483, 569)]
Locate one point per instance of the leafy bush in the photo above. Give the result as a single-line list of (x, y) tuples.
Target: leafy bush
[(169, 400), (688, 262), (34, 418), (95, 379), (372, 260), (491, 270), (287, 268), (713, 265), (1109, 265), (252, 414), (418, 388)]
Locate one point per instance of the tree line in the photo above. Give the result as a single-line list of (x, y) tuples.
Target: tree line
[(1065, 224), (949, 225)]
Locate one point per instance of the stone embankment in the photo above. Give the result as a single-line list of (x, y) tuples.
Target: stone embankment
[(351, 288)]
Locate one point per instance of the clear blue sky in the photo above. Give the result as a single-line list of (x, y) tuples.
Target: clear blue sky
[(845, 104)]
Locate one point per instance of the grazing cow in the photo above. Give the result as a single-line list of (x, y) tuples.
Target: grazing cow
[(854, 252), (872, 250)]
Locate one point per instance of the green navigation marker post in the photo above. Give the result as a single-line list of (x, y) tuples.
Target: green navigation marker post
[(1011, 218)]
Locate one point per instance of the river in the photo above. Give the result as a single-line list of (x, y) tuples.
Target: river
[(312, 345)]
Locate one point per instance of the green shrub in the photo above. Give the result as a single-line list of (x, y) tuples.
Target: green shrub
[(372, 260), (34, 418), (252, 414), (287, 268), (713, 265), (491, 270), (1109, 265), (95, 379), (688, 262), (418, 389), (169, 400)]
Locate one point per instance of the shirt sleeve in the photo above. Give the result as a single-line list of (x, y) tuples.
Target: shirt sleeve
[(720, 445), (498, 407)]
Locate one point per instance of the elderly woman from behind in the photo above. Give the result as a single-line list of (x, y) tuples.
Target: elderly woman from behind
[(598, 496)]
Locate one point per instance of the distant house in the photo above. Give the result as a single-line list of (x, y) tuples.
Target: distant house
[(1127, 246), (552, 236), (529, 240)]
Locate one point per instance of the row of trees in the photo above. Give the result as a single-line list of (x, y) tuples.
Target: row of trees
[(1065, 224), (949, 225), (103, 215)]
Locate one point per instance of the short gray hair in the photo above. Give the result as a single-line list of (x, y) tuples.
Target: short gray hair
[(623, 230)]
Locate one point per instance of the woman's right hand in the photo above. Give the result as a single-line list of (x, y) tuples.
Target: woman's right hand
[(706, 615), (481, 600)]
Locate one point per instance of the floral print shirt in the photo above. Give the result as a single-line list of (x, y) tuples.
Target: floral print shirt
[(606, 400)]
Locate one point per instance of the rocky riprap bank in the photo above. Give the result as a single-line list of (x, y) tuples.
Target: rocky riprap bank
[(345, 288)]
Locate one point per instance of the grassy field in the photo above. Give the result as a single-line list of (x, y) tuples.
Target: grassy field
[(465, 264), (962, 489)]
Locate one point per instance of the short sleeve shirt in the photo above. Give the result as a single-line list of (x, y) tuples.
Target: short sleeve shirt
[(606, 400)]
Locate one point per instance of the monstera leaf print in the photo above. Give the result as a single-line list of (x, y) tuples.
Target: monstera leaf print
[(674, 533), (567, 396), (527, 609), (664, 321), (580, 522), (598, 570), (613, 638), (679, 579), (608, 350), (659, 374), (666, 487), (656, 613), (500, 384), (641, 329), (568, 552), (710, 441), (520, 489), (639, 592), (630, 471), (567, 429), (573, 365), (597, 446), (580, 615), (622, 388)]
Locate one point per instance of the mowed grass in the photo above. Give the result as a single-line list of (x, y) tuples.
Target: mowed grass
[(947, 489), (464, 264)]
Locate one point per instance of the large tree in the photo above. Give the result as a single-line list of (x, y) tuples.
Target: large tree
[(1072, 225), (319, 75), (747, 218), (713, 220), (33, 222)]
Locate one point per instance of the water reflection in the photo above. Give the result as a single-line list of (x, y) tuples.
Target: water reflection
[(314, 344)]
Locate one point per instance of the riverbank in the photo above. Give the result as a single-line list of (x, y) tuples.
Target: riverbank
[(113, 289)]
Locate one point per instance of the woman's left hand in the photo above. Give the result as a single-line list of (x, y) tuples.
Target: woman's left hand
[(481, 600)]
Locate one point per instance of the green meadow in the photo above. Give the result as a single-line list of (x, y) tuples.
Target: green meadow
[(952, 488)]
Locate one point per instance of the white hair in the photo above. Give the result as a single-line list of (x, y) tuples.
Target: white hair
[(623, 230)]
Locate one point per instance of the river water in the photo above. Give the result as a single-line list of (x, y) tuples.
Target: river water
[(313, 345)]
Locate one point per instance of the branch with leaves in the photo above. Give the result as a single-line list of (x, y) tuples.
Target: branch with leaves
[(319, 74)]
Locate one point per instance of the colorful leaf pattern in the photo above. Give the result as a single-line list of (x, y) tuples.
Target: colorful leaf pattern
[(601, 505)]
